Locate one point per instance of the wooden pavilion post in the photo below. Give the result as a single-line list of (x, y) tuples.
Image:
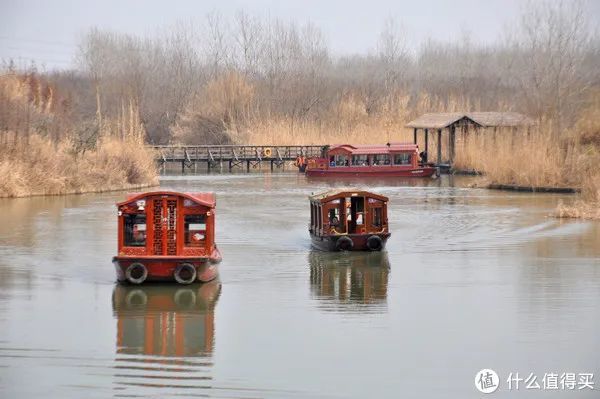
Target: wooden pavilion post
[(415, 135), (452, 143), (427, 141), (439, 147)]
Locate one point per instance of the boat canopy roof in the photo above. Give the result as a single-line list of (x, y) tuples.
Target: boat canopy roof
[(329, 195), (206, 199), (389, 148)]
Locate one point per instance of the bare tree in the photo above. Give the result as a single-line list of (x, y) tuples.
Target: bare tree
[(250, 43), (552, 48)]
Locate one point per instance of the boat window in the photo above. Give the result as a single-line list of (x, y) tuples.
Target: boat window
[(194, 230), (381, 159), (135, 230), (341, 160), (332, 160), (312, 215), (377, 216), (360, 160), (334, 217), (360, 204), (402, 159)]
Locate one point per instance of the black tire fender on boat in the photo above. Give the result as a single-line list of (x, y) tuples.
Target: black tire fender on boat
[(136, 273), (375, 243), (344, 243), (185, 273)]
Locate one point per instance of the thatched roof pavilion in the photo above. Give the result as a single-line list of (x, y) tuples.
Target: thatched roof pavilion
[(451, 120)]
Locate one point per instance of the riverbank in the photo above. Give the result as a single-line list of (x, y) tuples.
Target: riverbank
[(578, 210), (42, 167)]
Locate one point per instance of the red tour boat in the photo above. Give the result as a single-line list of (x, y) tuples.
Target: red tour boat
[(348, 220), (392, 159), (167, 236)]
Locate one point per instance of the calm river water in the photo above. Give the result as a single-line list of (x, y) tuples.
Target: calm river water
[(472, 279)]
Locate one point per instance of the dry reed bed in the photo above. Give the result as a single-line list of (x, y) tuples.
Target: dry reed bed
[(45, 168)]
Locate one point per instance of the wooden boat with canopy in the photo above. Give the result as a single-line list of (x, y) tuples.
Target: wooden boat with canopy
[(167, 236), (348, 220), (392, 159)]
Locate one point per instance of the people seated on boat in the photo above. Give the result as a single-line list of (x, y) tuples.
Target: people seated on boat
[(423, 155), (334, 222), (402, 159)]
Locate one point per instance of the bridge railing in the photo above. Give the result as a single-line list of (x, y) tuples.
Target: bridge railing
[(194, 153)]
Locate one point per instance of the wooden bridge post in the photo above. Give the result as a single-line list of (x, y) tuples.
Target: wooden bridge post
[(247, 166)]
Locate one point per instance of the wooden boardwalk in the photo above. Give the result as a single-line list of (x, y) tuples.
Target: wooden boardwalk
[(231, 156)]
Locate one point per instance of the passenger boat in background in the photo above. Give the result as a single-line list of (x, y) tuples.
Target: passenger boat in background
[(392, 159), (167, 236), (348, 220)]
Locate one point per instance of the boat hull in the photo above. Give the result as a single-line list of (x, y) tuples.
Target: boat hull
[(162, 268), (426, 171), (359, 241)]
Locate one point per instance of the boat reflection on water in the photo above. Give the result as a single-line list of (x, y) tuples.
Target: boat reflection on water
[(165, 336), (350, 281)]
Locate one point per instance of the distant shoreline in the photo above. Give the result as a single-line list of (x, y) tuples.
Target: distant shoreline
[(80, 192)]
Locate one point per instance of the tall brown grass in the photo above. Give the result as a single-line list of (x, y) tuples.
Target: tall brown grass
[(47, 168), (45, 150), (533, 159), (287, 131)]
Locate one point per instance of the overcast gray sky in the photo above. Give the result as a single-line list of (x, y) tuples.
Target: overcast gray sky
[(48, 31)]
